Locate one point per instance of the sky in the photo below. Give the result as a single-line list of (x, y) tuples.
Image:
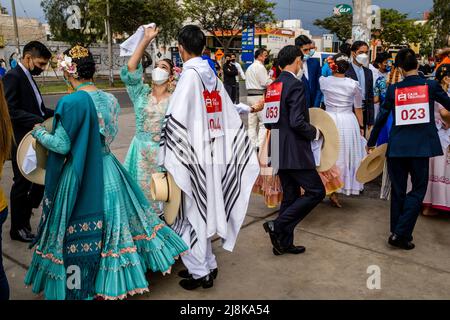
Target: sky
[(306, 10)]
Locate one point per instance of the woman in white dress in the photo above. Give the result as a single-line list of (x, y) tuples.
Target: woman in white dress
[(343, 95)]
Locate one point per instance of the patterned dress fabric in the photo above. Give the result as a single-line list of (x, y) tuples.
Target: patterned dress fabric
[(142, 157), (135, 240)]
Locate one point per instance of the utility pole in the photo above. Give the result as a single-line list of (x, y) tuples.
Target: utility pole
[(110, 48), (16, 28), (361, 16)]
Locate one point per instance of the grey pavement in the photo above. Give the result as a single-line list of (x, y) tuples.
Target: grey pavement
[(341, 245)]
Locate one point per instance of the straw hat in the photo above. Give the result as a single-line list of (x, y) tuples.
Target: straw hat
[(37, 176), (330, 149), (372, 165), (163, 188)]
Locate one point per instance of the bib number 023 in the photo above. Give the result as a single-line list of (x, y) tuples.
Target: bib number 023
[(412, 105)]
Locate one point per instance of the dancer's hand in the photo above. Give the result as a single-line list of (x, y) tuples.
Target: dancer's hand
[(151, 33), (369, 149)]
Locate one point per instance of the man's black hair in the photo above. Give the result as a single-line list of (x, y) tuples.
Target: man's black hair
[(382, 56), (406, 59), (288, 54), (37, 50), (358, 44), (345, 48), (192, 39), (302, 40), (259, 52)]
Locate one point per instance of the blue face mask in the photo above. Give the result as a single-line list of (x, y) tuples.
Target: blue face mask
[(306, 57), (312, 52), (388, 68)]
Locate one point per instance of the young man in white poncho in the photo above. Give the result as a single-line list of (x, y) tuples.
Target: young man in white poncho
[(205, 147)]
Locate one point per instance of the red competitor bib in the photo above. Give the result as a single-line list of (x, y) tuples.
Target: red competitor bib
[(213, 103), (271, 112), (412, 105)]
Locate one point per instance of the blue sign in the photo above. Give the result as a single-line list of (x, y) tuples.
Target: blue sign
[(248, 46)]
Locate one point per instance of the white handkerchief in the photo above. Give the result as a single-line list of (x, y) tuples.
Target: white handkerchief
[(129, 46), (30, 162), (242, 108), (316, 147)]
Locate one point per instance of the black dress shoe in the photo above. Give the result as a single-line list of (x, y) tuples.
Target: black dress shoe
[(295, 249), (400, 242), (192, 284), (269, 227), (22, 235), (186, 275)]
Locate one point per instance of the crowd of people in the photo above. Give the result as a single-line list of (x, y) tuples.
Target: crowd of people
[(102, 217)]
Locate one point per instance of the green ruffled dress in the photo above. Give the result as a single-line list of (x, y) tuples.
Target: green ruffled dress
[(142, 157), (135, 240)]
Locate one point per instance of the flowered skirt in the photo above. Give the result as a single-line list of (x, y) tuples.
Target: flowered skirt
[(135, 240)]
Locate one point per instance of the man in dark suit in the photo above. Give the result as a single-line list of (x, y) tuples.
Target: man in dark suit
[(311, 71), (292, 135), (230, 72), (412, 142), (360, 72), (26, 108)]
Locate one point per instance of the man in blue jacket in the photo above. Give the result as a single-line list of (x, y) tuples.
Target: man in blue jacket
[(311, 71), (412, 142)]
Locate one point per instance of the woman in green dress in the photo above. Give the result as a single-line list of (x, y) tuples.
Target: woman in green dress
[(150, 105), (98, 234)]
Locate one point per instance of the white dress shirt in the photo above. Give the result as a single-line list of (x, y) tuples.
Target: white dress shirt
[(241, 72), (33, 85), (257, 77)]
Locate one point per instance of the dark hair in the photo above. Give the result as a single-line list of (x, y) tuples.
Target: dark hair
[(382, 56), (37, 50), (406, 59), (171, 65), (302, 40), (228, 55), (342, 62), (345, 48), (442, 72), (259, 52), (192, 39), (288, 54), (358, 44), (85, 65)]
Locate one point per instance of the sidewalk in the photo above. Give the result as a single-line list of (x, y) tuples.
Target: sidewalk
[(341, 244)]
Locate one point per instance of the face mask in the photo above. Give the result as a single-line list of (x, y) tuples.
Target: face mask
[(267, 61), (233, 60), (36, 70), (159, 76), (363, 59), (312, 52), (306, 57)]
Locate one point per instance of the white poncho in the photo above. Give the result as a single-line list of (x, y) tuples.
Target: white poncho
[(216, 175)]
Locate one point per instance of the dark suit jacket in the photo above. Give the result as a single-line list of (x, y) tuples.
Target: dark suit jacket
[(314, 95), (369, 111), (229, 73), (419, 140), (23, 105), (293, 133)]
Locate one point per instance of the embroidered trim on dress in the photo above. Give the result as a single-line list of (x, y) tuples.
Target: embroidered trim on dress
[(49, 256), (145, 237), (124, 296), (122, 251)]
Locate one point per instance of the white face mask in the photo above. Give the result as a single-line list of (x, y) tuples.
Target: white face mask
[(363, 59), (300, 74), (159, 76)]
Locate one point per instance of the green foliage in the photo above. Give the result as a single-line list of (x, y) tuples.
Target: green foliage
[(227, 17), (341, 25), (440, 20)]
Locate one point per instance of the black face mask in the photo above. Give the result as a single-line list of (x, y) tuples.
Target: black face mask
[(36, 71), (267, 61), (233, 60)]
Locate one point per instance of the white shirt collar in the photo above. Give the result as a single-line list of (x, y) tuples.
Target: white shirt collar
[(27, 72)]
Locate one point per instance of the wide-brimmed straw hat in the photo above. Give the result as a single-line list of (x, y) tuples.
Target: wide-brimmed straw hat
[(372, 165), (163, 188), (330, 148), (36, 176)]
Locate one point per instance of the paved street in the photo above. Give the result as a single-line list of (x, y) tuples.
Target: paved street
[(341, 245)]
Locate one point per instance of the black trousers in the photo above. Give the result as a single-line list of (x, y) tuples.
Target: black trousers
[(294, 207), (236, 100), (24, 197), (231, 90), (406, 207)]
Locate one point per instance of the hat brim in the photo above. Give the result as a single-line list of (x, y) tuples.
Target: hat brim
[(330, 149), (172, 207), (37, 176), (372, 165)]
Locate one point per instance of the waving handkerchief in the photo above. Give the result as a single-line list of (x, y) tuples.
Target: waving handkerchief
[(129, 46)]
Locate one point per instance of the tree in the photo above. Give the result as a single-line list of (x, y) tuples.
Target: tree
[(340, 25), (225, 20), (128, 15), (440, 21)]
